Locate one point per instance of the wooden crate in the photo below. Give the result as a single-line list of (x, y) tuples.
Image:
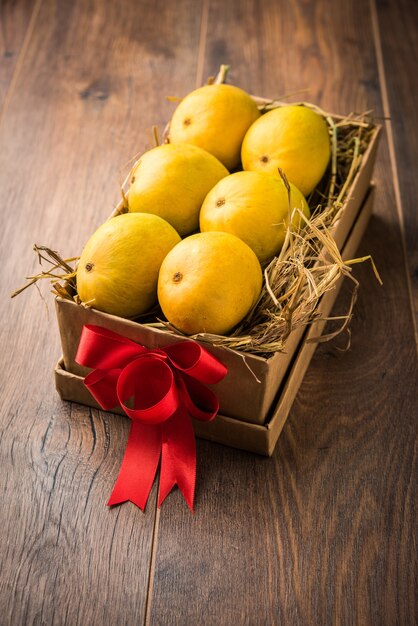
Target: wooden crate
[(251, 432), (248, 391)]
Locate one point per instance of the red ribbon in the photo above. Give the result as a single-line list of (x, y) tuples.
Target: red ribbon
[(159, 390)]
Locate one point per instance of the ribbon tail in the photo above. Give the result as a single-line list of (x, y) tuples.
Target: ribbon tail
[(178, 460), (139, 465)]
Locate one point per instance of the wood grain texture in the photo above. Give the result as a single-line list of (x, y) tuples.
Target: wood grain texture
[(322, 533), (397, 25), (15, 18), (93, 80)]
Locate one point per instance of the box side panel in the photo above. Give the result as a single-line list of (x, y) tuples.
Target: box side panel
[(235, 434), (279, 366), (240, 393), (294, 380), (357, 193), (223, 429)]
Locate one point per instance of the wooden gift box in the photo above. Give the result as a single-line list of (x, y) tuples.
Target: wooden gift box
[(264, 403), (257, 392)]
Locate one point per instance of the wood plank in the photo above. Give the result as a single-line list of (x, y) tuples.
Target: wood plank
[(323, 532), (396, 40), (15, 18), (94, 79)]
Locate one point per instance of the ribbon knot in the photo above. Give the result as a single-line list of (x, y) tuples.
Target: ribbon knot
[(159, 389)]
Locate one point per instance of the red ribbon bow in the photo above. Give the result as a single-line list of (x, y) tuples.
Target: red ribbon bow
[(165, 387)]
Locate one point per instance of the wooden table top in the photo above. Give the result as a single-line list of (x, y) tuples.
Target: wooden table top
[(321, 533)]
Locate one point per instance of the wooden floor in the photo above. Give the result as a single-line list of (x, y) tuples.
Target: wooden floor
[(323, 532)]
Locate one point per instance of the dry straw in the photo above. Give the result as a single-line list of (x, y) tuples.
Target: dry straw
[(309, 263)]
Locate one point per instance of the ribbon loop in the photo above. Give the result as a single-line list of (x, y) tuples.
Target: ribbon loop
[(100, 348), (159, 389), (189, 357), (102, 386), (200, 402), (150, 382)]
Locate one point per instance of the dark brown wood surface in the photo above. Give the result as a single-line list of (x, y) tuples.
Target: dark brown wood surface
[(397, 25), (323, 532), (85, 94), (16, 22)]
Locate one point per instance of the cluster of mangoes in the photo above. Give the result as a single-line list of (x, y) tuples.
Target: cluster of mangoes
[(206, 211)]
